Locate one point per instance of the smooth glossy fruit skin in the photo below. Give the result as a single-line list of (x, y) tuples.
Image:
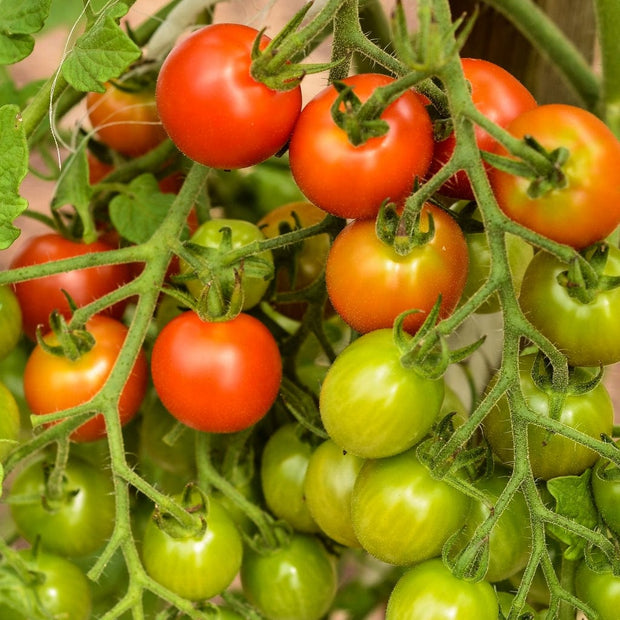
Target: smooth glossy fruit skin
[(429, 591), (9, 422), (211, 106), (599, 590), (10, 320), (297, 581), (606, 491)]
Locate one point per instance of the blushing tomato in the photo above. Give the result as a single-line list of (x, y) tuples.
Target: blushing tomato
[(353, 181), (371, 405), (10, 321), (498, 95), (297, 581), (79, 521), (369, 284), (401, 514), (429, 591), (587, 209), (40, 296), (218, 377), (125, 118), (599, 590), (54, 383), (213, 109), (591, 413), (587, 333), (606, 490)]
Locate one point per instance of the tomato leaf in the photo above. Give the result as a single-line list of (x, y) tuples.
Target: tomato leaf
[(18, 21), (13, 169), (138, 213), (574, 501), (101, 53)]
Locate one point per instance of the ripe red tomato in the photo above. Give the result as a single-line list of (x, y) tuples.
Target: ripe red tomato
[(588, 208), (213, 109), (40, 296), (125, 119), (352, 181), (369, 284), (54, 383), (501, 98), (218, 377)]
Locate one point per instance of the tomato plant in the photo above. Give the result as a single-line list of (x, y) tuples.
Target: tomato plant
[(10, 321), (216, 376), (214, 115), (599, 590), (53, 382), (606, 491), (350, 180), (9, 421)]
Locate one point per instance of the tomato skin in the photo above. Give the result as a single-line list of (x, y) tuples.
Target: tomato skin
[(195, 567), (77, 524), (353, 181), (10, 320), (588, 334), (54, 383), (606, 491), (401, 514), (372, 406), (429, 591), (209, 235), (369, 284), (501, 98), (38, 297), (125, 120), (9, 421), (588, 208), (213, 109), (599, 590), (592, 413), (328, 486), (297, 581), (217, 377)]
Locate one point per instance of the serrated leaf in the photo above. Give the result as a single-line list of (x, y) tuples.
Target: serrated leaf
[(103, 52), (9, 93), (573, 500), (13, 169), (138, 213), (19, 20)]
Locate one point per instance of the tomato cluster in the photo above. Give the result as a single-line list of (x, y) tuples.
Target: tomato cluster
[(241, 404)]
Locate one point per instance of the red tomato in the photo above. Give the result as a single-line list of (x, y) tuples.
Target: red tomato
[(369, 284), (54, 383), (211, 106), (38, 297), (352, 181), (588, 208), (501, 98), (125, 120), (218, 377)]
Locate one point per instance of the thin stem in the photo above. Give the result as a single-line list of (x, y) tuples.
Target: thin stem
[(608, 28)]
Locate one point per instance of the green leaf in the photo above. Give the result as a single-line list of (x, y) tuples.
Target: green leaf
[(573, 500), (19, 20), (103, 52), (9, 93), (13, 169), (138, 213)]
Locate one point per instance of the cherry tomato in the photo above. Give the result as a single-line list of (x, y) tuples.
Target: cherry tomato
[(429, 591), (125, 119), (353, 181), (76, 523), (217, 377), (599, 590), (606, 491), (591, 413), (59, 589), (372, 406), (54, 383), (283, 470), (38, 297), (10, 321), (328, 486), (369, 284), (9, 421), (298, 580), (587, 209), (501, 98), (209, 235), (401, 514), (213, 109), (196, 566), (305, 260), (587, 333)]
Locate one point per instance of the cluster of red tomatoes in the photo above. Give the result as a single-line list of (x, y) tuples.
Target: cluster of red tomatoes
[(356, 489)]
